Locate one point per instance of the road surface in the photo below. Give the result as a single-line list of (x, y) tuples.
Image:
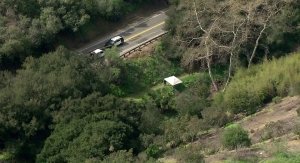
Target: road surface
[(134, 34)]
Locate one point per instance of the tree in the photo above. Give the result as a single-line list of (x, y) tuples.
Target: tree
[(90, 129), (84, 139), (223, 32), (29, 100)]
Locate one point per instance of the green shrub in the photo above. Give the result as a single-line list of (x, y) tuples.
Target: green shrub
[(162, 98), (235, 136), (154, 151), (195, 98), (182, 129)]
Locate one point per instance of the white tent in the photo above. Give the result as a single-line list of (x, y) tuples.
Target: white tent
[(173, 80)]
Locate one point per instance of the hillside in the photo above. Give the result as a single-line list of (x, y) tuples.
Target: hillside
[(271, 131), (239, 63)]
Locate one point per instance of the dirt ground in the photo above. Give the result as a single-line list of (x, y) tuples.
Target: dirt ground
[(283, 113), (281, 117)]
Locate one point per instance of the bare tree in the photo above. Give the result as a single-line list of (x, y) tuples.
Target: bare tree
[(263, 12), (219, 30)]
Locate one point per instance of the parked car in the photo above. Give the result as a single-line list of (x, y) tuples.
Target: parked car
[(115, 41), (98, 53)]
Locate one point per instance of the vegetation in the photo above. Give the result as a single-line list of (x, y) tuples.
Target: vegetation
[(58, 106), (235, 136), (31, 28), (254, 87)]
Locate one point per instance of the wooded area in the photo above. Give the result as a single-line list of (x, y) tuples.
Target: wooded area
[(58, 106)]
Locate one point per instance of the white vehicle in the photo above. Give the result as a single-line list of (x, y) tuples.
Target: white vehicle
[(115, 41), (97, 52)]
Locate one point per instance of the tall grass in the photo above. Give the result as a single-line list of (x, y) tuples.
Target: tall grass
[(251, 88)]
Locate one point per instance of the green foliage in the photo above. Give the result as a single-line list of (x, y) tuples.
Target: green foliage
[(151, 119), (286, 158), (69, 143), (251, 88), (146, 72), (188, 41), (118, 157), (194, 99), (29, 99), (91, 128), (181, 129), (235, 136), (30, 28), (162, 98), (154, 151)]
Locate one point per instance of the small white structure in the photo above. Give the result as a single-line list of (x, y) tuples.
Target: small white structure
[(172, 80)]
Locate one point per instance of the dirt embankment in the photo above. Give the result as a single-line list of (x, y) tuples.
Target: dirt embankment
[(274, 123)]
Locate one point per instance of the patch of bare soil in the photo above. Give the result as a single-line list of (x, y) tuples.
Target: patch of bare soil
[(285, 110), (275, 122)]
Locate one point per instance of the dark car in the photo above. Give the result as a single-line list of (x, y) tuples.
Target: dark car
[(115, 41)]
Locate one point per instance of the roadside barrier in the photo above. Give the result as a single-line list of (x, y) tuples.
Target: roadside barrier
[(142, 45)]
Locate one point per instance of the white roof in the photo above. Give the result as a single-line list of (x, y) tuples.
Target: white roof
[(173, 80), (98, 51), (115, 38)]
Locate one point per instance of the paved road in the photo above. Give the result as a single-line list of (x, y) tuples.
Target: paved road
[(134, 34)]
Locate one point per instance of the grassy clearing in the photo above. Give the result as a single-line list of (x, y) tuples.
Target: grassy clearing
[(187, 80)]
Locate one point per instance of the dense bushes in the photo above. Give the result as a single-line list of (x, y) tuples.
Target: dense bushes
[(29, 99), (91, 128), (192, 100), (235, 136), (251, 88)]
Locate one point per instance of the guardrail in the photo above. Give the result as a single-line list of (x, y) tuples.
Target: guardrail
[(142, 45)]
